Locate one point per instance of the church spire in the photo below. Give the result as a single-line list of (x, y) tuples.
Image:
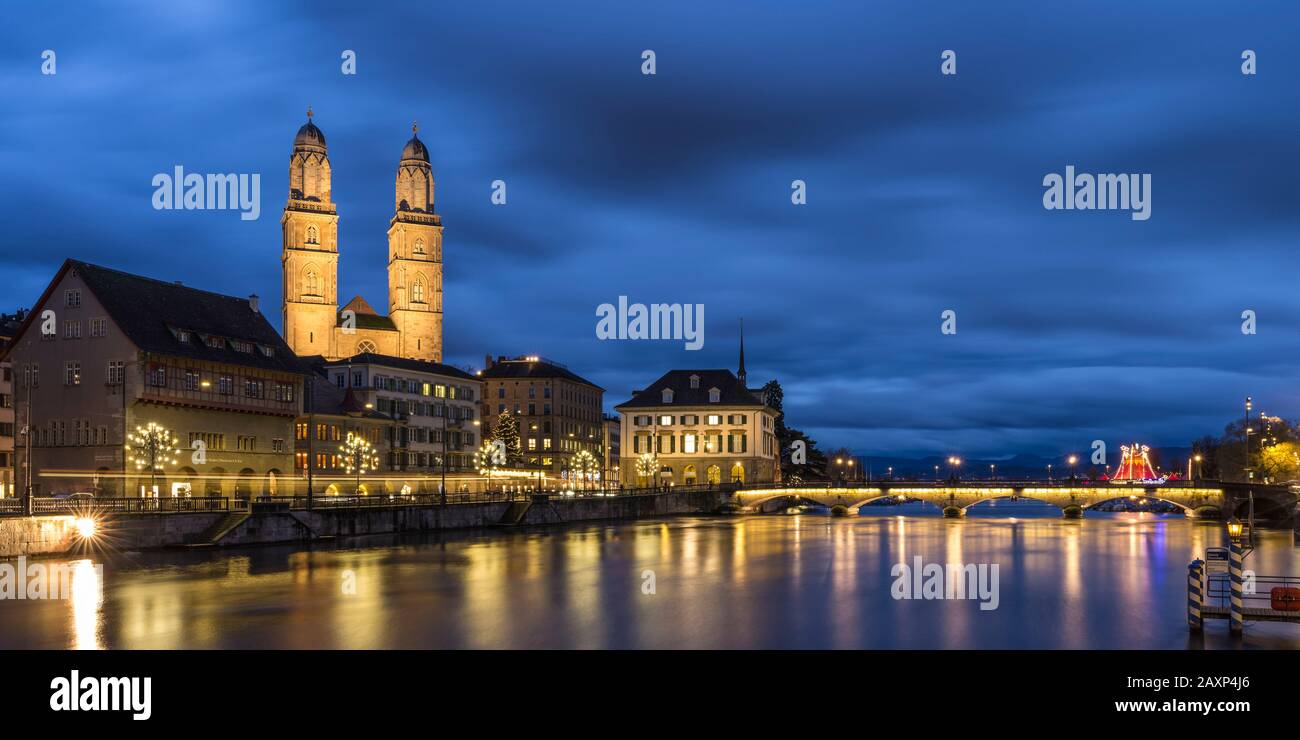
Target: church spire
[(740, 375)]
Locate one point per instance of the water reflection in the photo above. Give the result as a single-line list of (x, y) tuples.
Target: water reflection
[(1110, 581)]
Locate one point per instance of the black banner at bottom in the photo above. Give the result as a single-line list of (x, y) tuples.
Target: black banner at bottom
[(322, 690)]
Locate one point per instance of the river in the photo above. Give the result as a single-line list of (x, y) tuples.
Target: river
[(773, 581)]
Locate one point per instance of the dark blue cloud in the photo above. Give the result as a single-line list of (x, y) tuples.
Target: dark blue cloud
[(924, 191)]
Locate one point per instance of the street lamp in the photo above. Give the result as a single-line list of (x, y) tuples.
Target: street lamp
[(1049, 472), (992, 472), (1072, 460), (1246, 427), (1234, 530)]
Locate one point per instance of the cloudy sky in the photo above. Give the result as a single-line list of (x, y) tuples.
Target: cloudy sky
[(924, 190)]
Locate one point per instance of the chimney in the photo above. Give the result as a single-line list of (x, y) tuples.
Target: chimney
[(487, 361), (253, 303)]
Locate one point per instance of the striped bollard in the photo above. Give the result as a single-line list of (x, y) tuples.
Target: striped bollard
[(1194, 594), (1235, 557)]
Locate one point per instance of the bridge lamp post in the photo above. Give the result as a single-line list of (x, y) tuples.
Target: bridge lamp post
[(993, 472), (1072, 460), (1049, 472), (1246, 426), (936, 473)]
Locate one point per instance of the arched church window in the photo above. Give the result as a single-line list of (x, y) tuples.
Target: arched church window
[(419, 246), (310, 284), (313, 235), (364, 346), (417, 291)]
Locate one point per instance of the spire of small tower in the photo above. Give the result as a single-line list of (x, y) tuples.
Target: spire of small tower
[(415, 127), (308, 112), (740, 375)]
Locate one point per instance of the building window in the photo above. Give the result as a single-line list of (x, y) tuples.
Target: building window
[(666, 420), (313, 235), (72, 373), (277, 445), (72, 329), (116, 372), (191, 380), (158, 376), (365, 346), (419, 246), (300, 431), (253, 388), (668, 395), (215, 342), (356, 379), (695, 381), (72, 298), (99, 327), (309, 283), (226, 385), (284, 392), (417, 291), (715, 395)]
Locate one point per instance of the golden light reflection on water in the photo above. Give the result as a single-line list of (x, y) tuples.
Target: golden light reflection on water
[(87, 596), (763, 581)]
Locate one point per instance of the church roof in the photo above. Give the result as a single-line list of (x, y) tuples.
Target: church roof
[(359, 305), (152, 314), (309, 136), (366, 317), (731, 391), (415, 149)]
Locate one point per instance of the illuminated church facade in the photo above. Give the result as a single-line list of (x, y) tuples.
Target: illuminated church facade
[(314, 323)]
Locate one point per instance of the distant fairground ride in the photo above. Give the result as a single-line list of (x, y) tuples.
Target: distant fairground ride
[(1135, 466)]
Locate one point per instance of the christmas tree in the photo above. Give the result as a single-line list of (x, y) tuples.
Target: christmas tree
[(507, 430)]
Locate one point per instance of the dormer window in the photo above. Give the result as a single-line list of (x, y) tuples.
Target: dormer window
[(715, 395), (668, 395), (215, 342), (182, 336), (695, 381)]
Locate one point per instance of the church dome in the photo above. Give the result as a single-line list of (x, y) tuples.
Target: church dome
[(415, 149), (309, 136)]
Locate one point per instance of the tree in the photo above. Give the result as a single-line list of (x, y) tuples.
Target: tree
[(1279, 462), (507, 431), (815, 467)]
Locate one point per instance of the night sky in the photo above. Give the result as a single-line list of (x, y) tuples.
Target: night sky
[(924, 191)]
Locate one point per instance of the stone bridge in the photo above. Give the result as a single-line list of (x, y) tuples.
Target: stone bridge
[(1202, 499)]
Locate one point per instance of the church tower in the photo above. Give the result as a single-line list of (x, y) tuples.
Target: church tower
[(310, 256), (415, 257)]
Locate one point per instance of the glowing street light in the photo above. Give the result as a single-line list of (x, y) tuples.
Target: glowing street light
[(152, 447)]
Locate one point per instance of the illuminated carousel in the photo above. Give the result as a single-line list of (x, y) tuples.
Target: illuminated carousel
[(1135, 466)]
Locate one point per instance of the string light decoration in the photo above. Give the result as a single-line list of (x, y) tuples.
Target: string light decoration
[(485, 460), (584, 466), (647, 465), (152, 447), (359, 457), (1135, 465)]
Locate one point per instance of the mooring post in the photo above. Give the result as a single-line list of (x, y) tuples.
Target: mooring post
[(1235, 557), (1195, 590)]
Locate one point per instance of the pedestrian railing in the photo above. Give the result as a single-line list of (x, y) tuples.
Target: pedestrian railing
[(135, 505)]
